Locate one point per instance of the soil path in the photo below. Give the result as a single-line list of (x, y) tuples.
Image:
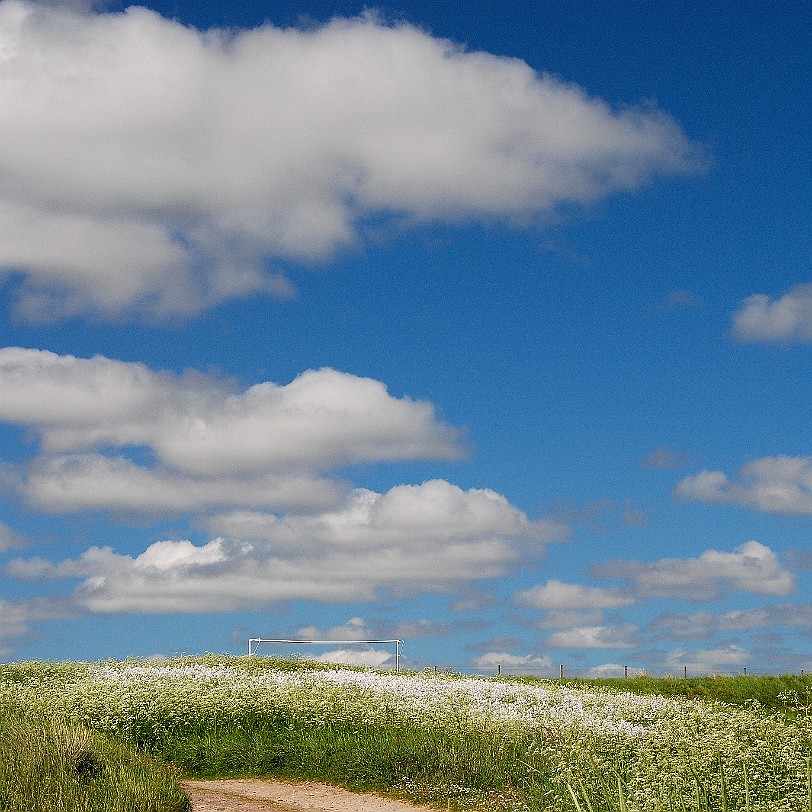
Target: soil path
[(260, 795)]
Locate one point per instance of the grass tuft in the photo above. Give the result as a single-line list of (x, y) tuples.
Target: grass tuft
[(49, 765)]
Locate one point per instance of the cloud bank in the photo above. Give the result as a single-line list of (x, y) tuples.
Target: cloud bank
[(208, 446), (152, 170), (255, 467), (412, 539)]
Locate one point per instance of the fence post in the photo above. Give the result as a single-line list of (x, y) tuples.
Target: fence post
[(625, 672), (562, 670)]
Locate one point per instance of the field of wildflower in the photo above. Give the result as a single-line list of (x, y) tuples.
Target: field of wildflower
[(457, 742)]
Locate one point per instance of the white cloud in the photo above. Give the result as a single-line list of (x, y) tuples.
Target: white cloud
[(512, 663), (701, 625), (354, 629), (412, 539), (197, 424), (369, 657), (212, 447), (787, 318), (422, 516), (153, 169), (73, 483), (705, 661), (751, 567), (595, 637), (562, 596), (771, 484)]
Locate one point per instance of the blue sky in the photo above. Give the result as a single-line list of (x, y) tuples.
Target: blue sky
[(487, 330)]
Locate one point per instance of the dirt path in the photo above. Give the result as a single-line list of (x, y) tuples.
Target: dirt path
[(259, 795)]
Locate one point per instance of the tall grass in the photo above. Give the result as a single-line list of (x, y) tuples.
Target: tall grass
[(788, 693), (49, 765), (465, 743)]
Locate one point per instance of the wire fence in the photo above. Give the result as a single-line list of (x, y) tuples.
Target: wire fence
[(563, 671)]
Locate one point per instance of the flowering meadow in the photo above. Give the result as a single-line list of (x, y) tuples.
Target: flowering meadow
[(460, 742)]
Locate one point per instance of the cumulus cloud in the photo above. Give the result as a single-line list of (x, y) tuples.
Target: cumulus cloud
[(211, 446), (562, 596), (785, 319), (576, 612), (752, 567), (623, 636), (513, 663), (74, 483), (702, 625), (152, 169), (354, 629), (706, 661), (771, 484), (357, 628), (369, 657), (434, 511), (412, 539), (197, 424)]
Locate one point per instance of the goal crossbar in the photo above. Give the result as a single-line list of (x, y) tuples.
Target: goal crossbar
[(254, 642)]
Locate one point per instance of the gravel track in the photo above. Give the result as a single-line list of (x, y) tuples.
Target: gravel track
[(260, 795)]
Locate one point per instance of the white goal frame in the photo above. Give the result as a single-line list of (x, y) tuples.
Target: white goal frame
[(254, 642)]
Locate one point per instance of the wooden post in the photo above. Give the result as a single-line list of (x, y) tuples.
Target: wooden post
[(686, 672), (625, 672), (562, 670), (499, 669)]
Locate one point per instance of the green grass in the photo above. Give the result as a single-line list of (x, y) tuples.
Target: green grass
[(787, 693), (510, 745), (49, 765)]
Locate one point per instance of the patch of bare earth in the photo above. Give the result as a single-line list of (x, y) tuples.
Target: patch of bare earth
[(260, 795)]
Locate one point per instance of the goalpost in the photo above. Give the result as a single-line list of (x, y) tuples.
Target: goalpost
[(254, 642)]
